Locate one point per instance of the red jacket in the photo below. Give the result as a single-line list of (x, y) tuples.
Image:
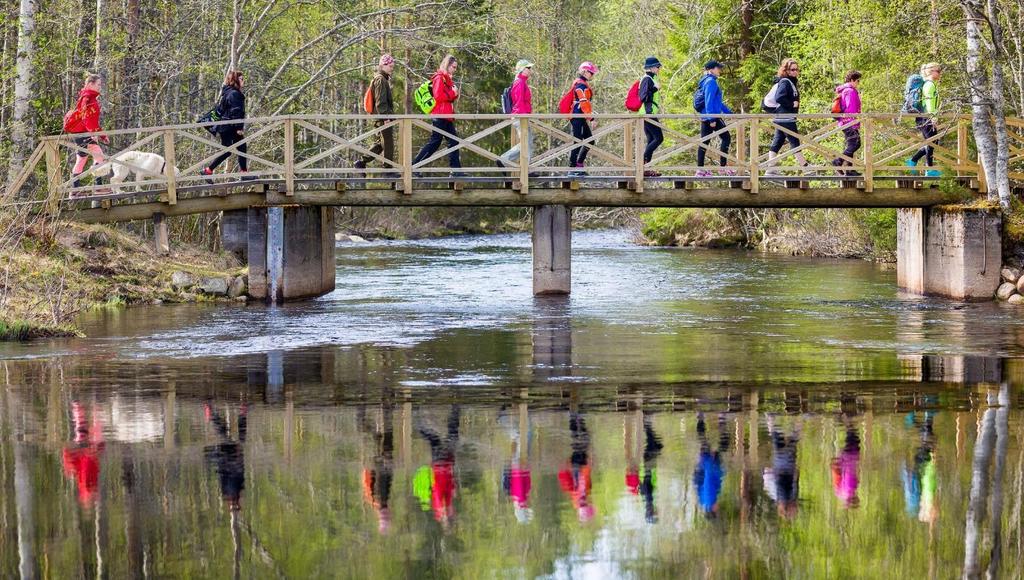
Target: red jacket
[(445, 94), (85, 118)]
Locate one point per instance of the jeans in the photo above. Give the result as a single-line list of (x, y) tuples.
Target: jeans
[(707, 128), (781, 137), (580, 130), (434, 143), (928, 130), (228, 137), (655, 137), (511, 156)]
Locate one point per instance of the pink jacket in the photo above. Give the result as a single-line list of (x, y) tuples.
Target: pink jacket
[(850, 99), (522, 98)]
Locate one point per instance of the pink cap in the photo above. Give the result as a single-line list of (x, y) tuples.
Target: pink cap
[(589, 67), (386, 59)]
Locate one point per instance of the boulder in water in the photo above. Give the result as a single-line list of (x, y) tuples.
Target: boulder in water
[(1005, 290)]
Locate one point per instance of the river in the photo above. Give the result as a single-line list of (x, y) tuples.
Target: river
[(684, 413)]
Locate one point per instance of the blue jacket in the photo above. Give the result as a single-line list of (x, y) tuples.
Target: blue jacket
[(713, 104)]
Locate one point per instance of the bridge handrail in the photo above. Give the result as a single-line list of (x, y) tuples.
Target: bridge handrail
[(746, 158)]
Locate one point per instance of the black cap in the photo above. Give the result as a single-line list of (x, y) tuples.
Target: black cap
[(712, 64)]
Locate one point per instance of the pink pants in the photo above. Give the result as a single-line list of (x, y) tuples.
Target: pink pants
[(81, 158)]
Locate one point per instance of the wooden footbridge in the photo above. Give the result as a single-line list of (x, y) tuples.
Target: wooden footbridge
[(308, 162)]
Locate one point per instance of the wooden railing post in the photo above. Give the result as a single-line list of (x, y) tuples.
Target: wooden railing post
[(868, 125), (628, 144), (169, 164), (405, 128), (741, 140), (53, 180), (289, 156), (524, 155), (755, 151), (638, 153)]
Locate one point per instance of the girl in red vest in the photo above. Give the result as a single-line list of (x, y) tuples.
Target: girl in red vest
[(85, 118)]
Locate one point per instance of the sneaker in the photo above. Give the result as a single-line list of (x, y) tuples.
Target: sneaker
[(248, 177), (702, 173), (207, 172), (933, 173), (911, 163), (360, 164), (729, 172), (651, 173)]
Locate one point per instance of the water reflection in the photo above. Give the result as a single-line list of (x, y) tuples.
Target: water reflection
[(731, 478)]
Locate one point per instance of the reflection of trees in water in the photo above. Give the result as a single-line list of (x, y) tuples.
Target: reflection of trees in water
[(992, 436)]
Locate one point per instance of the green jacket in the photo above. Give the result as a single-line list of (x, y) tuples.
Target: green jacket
[(930, 97), (383, 104)]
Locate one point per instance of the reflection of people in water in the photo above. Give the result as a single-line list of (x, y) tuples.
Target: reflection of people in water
[(81, 458), (575, 477), (228, 456), (782, 479), (516, 478), (920, 483), (709, 473), (845, 467), (377, 478), (442, 468)]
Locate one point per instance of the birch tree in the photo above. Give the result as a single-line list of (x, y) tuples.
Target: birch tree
[(21, 133)]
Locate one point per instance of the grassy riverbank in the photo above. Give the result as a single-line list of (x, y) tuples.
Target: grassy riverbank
[(54, 271)]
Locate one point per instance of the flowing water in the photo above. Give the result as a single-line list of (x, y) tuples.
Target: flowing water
[(685, 413)]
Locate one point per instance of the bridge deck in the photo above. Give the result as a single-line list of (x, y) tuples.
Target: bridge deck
[(308, 160)]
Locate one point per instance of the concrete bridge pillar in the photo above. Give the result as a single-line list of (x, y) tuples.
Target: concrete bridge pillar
[(291, 252), (552, 248), (950, 252), (234, 233)]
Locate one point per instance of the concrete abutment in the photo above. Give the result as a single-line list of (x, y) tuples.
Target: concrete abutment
[(290, 252)]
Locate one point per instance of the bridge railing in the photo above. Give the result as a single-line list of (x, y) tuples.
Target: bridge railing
[(306, 151)]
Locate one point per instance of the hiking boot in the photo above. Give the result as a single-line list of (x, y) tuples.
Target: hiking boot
[(207, 172), (651, 173), (247, 177)]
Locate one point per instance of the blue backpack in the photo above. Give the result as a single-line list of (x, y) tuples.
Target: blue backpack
[(506, 101), (913, 94), (698, 95)]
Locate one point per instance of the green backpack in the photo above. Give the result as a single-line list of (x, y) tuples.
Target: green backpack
[(424, 97)]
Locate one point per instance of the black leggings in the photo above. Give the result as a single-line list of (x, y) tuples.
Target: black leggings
[(707, 128), (781, 137), (229, 137), (852, 135), (654, 139), (928, 130), (580, 130), (434, 143)]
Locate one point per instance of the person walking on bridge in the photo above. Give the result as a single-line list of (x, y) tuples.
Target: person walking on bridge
[(784, 101), (522, 104), (708, 101), (582, 127), (383, 104), (85, 118), (231, 107), (931, 72), (445, 94), (849, 105), (648, 93)]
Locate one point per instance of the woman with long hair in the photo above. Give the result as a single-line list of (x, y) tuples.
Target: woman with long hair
[(231, 107)]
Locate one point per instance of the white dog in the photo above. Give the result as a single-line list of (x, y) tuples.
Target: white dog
[(152, 166)]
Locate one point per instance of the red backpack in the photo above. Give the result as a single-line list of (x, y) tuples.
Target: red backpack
[(633, 102), (568, 100)]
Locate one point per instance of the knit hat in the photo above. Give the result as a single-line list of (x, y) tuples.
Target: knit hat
[(386, 59), (651, 62), (523, 64)]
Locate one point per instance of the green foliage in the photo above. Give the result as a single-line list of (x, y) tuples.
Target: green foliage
[(880, 225)]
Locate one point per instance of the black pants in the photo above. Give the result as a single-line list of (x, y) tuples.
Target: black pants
[(580, 130), (229, 137), (707, 128), (852, 135), (655, 137), (781, 136), (434, 143), (385, 143), (928, 130)]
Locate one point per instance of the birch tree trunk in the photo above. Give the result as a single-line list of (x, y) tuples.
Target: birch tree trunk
[(99, 61), (21, 119), (976, 505), (977, 80), (236, 31), (1002, 183)]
